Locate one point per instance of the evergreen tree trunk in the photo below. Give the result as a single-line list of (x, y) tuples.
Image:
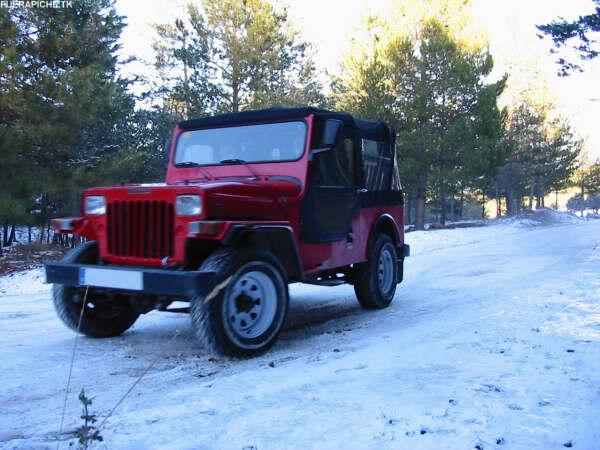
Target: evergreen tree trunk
[(5, 236), (186, 80), (510, 203), (498, 202), (235, 99), (483, 205), (443, 205), (29, 234), (531, 192), (420, 213), (11, 237), (420, 202), (582, 196)]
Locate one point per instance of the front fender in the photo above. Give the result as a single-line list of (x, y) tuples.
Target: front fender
[(79, 226), (277, 239)]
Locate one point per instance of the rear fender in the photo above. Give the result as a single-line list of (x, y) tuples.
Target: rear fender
[(386, 224)]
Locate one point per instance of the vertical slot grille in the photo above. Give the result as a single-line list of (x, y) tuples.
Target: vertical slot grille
[(142, 229)]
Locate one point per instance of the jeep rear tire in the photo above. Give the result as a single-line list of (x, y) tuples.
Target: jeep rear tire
[(376, 279), (245, 311), (106, 314)]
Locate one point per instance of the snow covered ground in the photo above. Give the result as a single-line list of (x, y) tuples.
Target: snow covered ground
[(493, 340)]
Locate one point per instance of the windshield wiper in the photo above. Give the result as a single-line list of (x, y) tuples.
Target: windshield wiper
[(204, 172), (241, 161)]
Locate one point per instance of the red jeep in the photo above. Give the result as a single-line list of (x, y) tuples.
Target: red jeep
[(252, 201)]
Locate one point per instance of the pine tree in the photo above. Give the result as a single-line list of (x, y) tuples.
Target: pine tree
[(423, 72), (593, 178), (62, 100), (580, 33), (232, 55), (542, 153), (562, 150), (182, 59)]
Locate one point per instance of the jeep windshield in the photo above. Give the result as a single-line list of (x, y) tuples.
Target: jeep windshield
[(244, 144)]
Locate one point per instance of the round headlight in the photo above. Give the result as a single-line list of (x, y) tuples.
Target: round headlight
[(188, 205), (95, 205)]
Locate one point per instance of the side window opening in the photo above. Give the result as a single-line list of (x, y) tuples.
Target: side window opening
[(337, 167), (377, 158), (345, 156)]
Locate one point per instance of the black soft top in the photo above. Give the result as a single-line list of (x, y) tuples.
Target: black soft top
[(370, 129)]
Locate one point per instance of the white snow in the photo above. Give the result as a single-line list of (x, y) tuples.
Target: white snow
[(492, 340), (27, 282)]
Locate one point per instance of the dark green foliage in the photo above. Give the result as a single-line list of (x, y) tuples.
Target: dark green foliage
[(140, 157), (581, 32), (63, 104), (592, 178)]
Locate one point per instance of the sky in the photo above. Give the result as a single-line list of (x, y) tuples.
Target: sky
[(329, 24)]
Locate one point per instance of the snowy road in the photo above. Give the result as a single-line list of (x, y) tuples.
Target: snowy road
[(493, 341)]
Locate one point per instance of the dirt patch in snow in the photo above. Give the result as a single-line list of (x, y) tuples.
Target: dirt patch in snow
[(28, 256)]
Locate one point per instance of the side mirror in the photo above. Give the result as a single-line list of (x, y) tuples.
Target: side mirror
[(331, 131)]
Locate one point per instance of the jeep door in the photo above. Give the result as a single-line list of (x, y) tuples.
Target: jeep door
[(331, 199)]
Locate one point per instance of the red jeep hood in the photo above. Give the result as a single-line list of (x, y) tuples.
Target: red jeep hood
[(235, 198), (242, 187)]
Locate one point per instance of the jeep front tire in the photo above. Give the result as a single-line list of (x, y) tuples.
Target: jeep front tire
[(245, 311), (106, 314), (375, 280)]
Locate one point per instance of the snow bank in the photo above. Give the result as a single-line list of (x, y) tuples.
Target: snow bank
[(422, 242), (541, 217), (27, 282)]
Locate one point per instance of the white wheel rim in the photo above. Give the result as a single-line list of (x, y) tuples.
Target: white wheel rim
[(385, 270), (251, 305)]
